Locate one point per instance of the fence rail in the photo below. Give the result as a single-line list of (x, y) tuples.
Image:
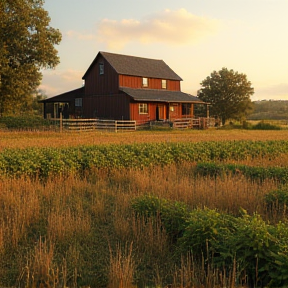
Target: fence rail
[(92, 124), (126, 125)]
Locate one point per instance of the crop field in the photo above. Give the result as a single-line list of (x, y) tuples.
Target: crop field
[(175, 209)]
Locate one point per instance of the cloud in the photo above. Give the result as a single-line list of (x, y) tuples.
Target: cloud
[(57, 82), (170, 27)]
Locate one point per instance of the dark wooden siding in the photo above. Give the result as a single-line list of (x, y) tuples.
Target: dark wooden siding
[(153, 83), (96, 84), (114, 106)]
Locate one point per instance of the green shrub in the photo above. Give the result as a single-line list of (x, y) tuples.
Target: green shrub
[(206, 230), (23, 122), (172, 214), (277, 200), (254, 173), (265, 126)]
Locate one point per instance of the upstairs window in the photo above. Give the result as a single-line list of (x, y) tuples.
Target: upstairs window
[(101, 68), (143, 108), (145, 82), (164, 84), (78, 102)]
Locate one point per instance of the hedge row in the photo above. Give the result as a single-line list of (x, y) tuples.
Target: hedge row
[(43, 162)]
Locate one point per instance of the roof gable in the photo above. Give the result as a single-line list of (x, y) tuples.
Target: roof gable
[(138, 66)]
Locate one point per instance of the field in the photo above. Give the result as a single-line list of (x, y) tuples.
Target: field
[(144, 209), (54, 139)]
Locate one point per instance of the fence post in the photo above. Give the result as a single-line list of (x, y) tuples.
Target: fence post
[(61, 123)]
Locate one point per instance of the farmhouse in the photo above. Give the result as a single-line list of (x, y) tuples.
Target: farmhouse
[(122, 87)]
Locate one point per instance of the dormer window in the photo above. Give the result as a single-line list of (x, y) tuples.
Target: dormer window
[(101, 68), (145, 82), (164, 84)]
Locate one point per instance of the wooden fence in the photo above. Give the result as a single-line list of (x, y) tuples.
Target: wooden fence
[(93, 124), (192, 123), (127, 125)]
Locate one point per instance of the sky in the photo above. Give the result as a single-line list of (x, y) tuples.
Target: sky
[(193, 37)]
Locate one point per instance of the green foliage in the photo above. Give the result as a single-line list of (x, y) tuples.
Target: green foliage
[(258, 249), (265, 126), (229, 93), (26, 122), (27, 45), (43, 162), (172, 214), (205, 230), (277, 199), (254, 173), (272, 110)]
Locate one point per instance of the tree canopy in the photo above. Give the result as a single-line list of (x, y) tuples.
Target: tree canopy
[(228, 93), (26, 46)]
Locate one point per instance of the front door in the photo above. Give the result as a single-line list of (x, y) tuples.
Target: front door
[(160, 112)]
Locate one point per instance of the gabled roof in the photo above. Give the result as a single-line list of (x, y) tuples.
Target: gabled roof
[(137, 66), (156, 95), (66, 97)]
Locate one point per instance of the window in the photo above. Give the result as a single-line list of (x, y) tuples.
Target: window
[(164, 84), (143, 108), (78, 102), (186, 109), (101, 68), (145, 82)]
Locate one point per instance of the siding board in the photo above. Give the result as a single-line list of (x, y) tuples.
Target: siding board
[(136, 82)]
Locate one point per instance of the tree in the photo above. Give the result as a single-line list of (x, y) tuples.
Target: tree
[(228, 93), (26, 46)]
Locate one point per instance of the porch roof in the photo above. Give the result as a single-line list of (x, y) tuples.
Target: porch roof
[(157, 95), (65, 97)]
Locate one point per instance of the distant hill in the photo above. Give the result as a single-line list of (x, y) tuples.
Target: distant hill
[(270, 110)]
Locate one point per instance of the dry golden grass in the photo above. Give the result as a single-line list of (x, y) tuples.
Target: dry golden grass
[(54, 139), (100, 203), (74, 207)]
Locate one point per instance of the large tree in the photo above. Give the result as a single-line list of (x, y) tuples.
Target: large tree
[(26, 46), (228, 93)]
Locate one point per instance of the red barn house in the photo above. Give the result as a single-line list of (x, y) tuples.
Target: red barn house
[(122, 87)]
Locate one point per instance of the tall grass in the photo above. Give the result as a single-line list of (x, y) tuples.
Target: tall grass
[(82, 231)]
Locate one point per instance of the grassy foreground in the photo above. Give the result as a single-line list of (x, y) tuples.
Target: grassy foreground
[(213, 220)]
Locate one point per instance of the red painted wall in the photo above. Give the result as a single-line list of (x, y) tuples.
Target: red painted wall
[(136, 82)]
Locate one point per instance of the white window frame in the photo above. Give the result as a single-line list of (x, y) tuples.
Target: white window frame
[(145, 82), (143, 108), (164, 84)]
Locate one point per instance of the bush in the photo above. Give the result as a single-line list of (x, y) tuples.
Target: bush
[(265, 126), (23, 122), (277, 199), (173, 215)]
